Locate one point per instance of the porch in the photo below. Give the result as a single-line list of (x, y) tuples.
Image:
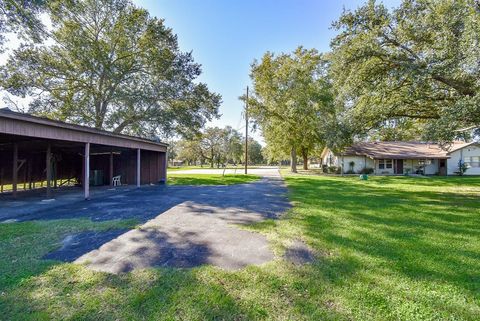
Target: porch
[(420, 166)]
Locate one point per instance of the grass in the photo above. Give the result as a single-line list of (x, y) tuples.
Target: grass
[(183, 168), (207, 167), (210, 179), (390, 248)]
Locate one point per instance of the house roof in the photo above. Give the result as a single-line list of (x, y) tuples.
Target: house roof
[(402, 150), (29, 125)]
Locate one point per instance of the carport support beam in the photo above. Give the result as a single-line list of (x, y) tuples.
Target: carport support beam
[(15, 170), (111, 169), (138, 167), (48, 162), (86, 174), (165, 165)]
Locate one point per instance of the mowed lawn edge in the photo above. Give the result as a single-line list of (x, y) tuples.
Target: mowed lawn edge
[(386, 249), (210, 179)]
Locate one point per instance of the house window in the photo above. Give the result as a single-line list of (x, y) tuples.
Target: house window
[(385, 163), (472, 161)]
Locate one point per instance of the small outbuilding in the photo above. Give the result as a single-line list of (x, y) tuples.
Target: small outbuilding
[(398, 158), (37, 152)]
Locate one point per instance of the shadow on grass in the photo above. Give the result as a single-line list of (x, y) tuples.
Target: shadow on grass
[(36, 289), (70, 291), (394, 249), (421, 233)]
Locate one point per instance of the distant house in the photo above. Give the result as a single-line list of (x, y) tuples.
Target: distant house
[(397, 158)]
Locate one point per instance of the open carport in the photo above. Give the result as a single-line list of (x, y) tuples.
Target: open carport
[(38, 152)]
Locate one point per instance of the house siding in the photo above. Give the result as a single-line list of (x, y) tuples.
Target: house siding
[(456, 156), (384, 171), (413, 165), (410, 165), (361, 162), (330, 159), (432, 169)]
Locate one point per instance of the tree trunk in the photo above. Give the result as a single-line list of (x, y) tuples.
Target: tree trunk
[(305, 158), (212, 159), (293, 162)]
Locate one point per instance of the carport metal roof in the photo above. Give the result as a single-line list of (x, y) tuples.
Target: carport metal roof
[(14, 123)]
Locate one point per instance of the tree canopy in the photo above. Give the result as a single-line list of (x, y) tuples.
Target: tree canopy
[(292, 101), (21, 18), (219, 146), (110, 65), (420, 61), (255, 152)]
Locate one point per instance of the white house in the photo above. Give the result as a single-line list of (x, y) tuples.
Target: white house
[(397, 158)]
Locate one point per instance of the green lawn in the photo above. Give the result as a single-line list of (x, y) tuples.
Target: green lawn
[(184, 168), (390, 248), (210, 179)]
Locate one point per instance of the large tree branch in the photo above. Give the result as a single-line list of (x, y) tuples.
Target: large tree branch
[(459, 86)]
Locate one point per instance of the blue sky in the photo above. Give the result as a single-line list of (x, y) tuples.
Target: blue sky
[(226, 36)]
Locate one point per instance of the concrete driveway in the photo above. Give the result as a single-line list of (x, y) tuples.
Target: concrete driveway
[(183, 226)]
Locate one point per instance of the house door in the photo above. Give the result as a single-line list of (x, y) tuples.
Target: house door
[(399, 166), (442, 167)]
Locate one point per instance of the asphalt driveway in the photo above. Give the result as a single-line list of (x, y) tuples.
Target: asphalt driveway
[(182, 226)]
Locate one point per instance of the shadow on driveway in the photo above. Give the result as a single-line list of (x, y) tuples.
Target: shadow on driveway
[(183, 226)]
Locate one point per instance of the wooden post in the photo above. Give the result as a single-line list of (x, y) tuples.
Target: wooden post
[(15, 170), (111, 169), (54, 163), (165, 166), (49, 170), (86, 174), (24, 177), (138, 168), (29, 175)]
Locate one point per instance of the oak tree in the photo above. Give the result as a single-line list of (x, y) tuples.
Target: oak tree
[(292, 101), (108, 64), (420, 61)]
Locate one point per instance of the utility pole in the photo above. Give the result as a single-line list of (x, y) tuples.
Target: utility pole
[(246, 134)]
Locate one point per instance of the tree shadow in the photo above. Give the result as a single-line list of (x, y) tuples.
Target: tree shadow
[(73, 292), (143, 248), (423, 235)]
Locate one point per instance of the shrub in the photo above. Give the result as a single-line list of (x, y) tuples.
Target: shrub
[(333, 170), (462, 167), (352, 166), (350, 171), (325, 169)]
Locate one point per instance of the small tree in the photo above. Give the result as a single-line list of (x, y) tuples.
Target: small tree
[(352, 165), (462, 167)]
